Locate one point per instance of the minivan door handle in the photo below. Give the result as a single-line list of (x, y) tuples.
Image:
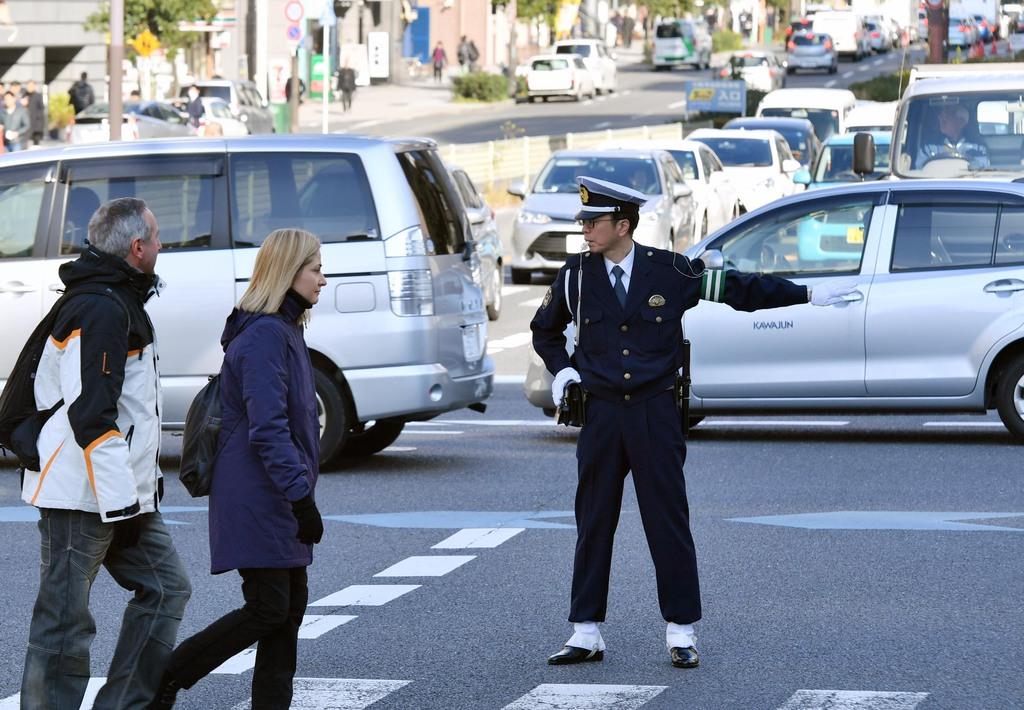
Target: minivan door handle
[(1004, 286), (17, 287)]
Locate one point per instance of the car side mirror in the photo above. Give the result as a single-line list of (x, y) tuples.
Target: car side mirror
[(802, 177), (681, 189), (517, 188), (863, 154), (712, 259), (790, 165)]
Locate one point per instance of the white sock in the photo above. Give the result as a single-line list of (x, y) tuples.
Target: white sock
[(586, 635), (679, 635)]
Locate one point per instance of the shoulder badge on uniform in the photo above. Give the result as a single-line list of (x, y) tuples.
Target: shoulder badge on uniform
[(656, 301), (547, 298), (584, 195)]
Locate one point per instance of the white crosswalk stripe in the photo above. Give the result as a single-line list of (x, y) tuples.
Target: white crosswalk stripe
[(426, 566), (471, 538), (852, 700), (14, 701), (337, 693), (365, 595), (314, 626), (239, 663), (556, 696)]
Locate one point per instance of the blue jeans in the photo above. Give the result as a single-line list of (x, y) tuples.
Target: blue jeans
[(74, 545)]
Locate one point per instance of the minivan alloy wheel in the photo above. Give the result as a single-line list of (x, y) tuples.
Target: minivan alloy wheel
[(1009, 397)]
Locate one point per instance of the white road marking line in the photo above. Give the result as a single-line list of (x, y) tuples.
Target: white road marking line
[(830, 83), (399, 449), (535, 302), (501, 422), (965, 424), (513, 290), (764, 422), (847, 74), (598, 126), (864, 69), (239, 663), (580, 696), (627, 92), (426, 566), (365, 595), (587, 102), (677, 104), (337, 693), (878, 62), (509, 379), (852, 700), (511, 341), (91, 690), (314, 626), (365, 124), (426, 424), (432, 432), (473, 538)]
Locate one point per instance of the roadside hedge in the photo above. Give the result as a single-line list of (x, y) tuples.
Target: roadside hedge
[(480, 86), (884, 87), (726, 41)]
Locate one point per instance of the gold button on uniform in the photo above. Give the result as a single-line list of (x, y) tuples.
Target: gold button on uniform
[(626, 397), (624, 328), (627, 375), (625, 352), (586, 321)]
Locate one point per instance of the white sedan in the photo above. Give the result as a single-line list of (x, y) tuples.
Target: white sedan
[(598, 59), (761, 70), (716, 201), (758, 163)]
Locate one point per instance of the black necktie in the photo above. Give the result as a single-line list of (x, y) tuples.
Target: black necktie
[(619, 288)]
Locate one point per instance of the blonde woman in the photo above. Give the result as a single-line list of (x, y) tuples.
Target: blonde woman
[(263, 518)]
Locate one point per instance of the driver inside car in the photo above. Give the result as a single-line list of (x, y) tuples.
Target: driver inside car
[(952, 140)]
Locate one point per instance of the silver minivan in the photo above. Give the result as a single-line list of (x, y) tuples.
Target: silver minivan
[(400, 331)]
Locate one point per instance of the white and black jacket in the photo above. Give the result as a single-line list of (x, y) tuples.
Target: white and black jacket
[(100, 450)]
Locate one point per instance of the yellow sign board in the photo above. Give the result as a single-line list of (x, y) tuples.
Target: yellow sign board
[(702, 94), (145, 43)]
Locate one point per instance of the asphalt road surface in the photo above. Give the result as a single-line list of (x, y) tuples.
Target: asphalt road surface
[(863, 563)]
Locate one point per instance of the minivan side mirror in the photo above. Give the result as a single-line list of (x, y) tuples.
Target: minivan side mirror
[(863, 154), (517, 188)]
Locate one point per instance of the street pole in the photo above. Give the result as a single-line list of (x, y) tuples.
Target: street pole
[(293, 93), (937, 31), (262, 71), (511, 12), (115, 116), (325, 89)]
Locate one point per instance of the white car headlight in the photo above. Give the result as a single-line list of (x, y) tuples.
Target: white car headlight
[(527, 217)]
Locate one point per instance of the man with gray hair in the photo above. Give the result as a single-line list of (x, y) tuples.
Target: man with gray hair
[(99, 486)]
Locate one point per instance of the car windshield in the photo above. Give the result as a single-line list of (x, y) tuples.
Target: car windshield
[(797, 141), (836, 164), (751, 60), (741, 152), (559, 175), (687, 161), (550, 64), (581, 49), (825, 121), (966, 135)]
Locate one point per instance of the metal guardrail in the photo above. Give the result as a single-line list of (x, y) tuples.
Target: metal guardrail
[(519, 158)]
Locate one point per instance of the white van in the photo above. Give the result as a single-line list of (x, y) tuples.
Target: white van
[(678, 42), (847, 31), (827, 109)]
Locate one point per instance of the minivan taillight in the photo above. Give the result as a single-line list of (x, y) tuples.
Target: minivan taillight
[(411, 242), (412, 293)]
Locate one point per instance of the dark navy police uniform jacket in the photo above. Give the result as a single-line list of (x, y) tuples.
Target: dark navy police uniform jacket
[(630, 354)]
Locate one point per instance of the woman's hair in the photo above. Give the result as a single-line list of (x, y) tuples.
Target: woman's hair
[(281, 256)]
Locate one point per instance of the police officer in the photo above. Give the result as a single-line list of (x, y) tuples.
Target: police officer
[(627, 301)]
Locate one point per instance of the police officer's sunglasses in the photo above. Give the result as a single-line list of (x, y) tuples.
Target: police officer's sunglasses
[(589, 223)]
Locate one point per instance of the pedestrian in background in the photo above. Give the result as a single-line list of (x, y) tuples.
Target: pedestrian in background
[(263, 517), (81, 93), (462, 54), (98, 494), (16, 123), (473, 55), (346, 85), (439, 59), (195, 107), (37, 117)]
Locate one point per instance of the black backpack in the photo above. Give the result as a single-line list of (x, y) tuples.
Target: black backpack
[(200, 442), (20, 420)]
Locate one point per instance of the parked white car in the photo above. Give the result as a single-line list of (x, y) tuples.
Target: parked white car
[(761, 70), (716, 201), (598, 59), (758, 163), (559, 75)]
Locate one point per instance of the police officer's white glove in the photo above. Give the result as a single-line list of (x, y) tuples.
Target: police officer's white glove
[(830, 294), (562, 379)]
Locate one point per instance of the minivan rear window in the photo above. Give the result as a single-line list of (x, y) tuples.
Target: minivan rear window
[(327, 194), (581, 49), (441, 217), (668, 30)]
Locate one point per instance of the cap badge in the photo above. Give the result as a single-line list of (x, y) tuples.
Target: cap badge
[(584, 195), (656, 301)]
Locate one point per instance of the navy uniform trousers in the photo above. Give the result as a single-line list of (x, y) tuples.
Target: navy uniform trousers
[(647, 439)]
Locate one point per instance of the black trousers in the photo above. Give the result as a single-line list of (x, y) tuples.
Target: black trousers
[(275, 600), (647, 439)]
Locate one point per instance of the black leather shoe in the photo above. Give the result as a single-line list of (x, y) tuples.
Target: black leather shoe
[(571, 654), (684, 657)]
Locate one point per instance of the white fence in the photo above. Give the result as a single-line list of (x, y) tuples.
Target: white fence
[(519, 158)]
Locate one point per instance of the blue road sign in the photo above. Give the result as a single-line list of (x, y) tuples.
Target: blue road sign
[(725, 96), (294, 33)]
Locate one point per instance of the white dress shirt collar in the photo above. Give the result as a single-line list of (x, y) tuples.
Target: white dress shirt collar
[(626, 264)]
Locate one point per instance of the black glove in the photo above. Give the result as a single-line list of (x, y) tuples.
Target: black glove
[(311, 525), (126, 532)]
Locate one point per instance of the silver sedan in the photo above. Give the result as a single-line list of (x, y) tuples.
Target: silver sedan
[(142, 119)]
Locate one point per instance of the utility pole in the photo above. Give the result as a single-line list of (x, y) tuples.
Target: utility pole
[(115, 115), (938, 19), (511, 16)]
